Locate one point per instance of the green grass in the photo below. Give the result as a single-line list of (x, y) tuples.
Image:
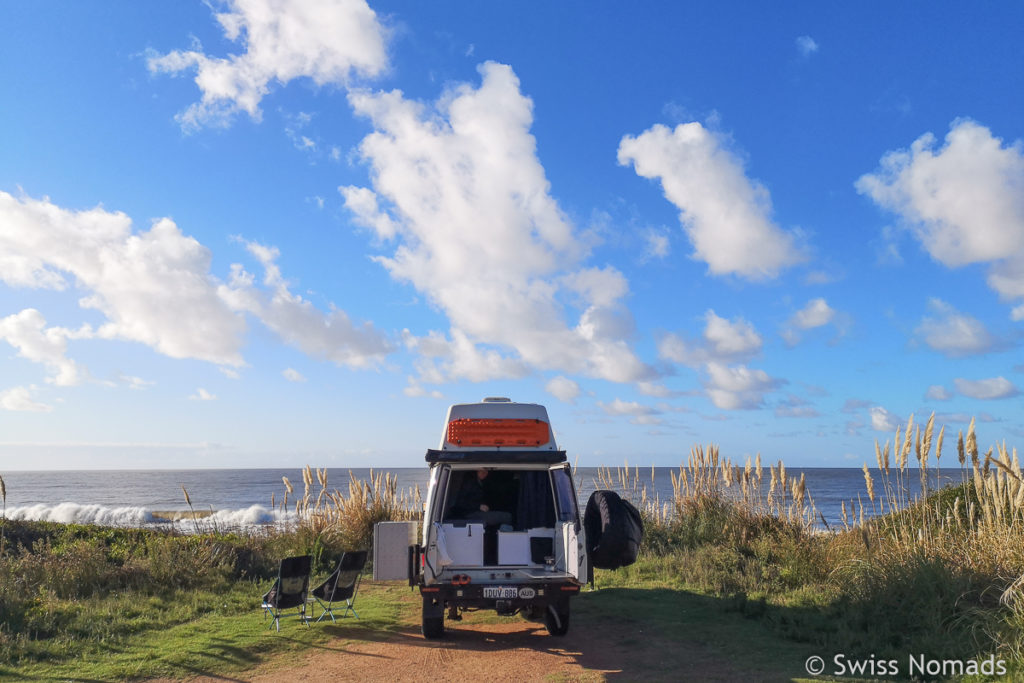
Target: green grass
[(183, 635)]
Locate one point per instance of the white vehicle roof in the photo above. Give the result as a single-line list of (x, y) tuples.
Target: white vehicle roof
[(497, 424)]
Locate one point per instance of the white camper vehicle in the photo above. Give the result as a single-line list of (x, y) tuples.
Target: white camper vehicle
[(501, 527)]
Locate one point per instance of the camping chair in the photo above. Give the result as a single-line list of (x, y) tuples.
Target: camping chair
[(290, 589), (342, 584)]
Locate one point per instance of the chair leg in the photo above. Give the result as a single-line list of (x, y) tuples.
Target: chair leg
[(327, 611)]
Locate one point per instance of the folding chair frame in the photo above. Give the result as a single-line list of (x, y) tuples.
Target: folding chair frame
[(328, 607), (276, 612)]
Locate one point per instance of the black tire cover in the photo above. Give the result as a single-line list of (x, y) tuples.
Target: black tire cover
[(614, 530)]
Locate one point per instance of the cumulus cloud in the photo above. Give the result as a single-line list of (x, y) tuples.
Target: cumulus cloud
[(27, 332), (327, 336), (638, 413), (656, 244), (882, 420), (937, 392), (416, 390), (963, 201), (986, 389), (738, 387), (459, 190), (293, 375), (953, 333), (328, 41), (723, 340), (202, 395), (794, 406), (19, 399), (153, 286), (563, 388), (653, 389), (817, 313), (726, 215), (806, 45)]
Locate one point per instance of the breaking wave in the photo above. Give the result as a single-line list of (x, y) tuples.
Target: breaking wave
[(76, 513)]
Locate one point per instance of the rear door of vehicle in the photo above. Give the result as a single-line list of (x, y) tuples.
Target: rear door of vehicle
[(570, 540)]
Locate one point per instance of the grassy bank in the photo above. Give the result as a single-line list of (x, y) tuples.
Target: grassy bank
[(940, 574), (937, 575)]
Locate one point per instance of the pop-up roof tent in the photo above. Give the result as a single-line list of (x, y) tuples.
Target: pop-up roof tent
[(497, 431)]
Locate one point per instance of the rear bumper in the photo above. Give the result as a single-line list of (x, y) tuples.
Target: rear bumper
[(476, 595)]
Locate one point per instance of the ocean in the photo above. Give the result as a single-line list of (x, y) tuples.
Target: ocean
[(241, 498)]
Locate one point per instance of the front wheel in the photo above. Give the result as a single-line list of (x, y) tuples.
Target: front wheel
[(556, 619), (433, 620)]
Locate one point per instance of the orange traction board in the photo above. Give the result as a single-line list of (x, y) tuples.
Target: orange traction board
[(497, 432)]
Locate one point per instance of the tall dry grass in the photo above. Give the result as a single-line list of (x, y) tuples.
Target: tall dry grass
[(707, 479), (972, 531), (346, 519), (914, 565)]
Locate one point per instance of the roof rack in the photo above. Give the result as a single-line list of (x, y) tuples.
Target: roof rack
[(496, 456)]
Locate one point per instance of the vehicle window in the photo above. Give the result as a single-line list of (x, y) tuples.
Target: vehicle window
[(565, 495), (442, 501)]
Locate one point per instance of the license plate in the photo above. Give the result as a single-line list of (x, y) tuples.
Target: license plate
[(501, 592)]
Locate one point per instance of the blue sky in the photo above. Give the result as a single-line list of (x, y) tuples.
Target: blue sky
[(254, 233)]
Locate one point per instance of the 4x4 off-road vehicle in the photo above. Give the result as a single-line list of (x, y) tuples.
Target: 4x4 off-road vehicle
[(501, 527)]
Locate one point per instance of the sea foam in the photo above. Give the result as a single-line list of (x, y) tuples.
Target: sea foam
[(76, 513)]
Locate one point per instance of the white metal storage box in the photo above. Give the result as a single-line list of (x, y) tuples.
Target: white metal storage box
[(465, 544), (514, 547), (391, 541)]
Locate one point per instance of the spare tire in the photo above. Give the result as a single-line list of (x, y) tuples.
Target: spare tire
[(614, 530)]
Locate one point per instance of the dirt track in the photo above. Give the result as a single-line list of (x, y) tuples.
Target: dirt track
[(509, 650)]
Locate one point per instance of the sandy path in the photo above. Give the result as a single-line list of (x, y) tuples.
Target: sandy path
[(510, 650)]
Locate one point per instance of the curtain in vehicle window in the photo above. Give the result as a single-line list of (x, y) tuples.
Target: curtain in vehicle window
[(536, 507)]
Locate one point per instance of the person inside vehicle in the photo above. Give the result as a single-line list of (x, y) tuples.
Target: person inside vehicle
[(473, 503)]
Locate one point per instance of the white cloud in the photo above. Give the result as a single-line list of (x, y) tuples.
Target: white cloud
[(416, 390), (653, 389), (363, 204), (328, 41), (817, 313), (656, 244), (937, 392), (460, 189), (794, 406), (639, 413), (986, 389), (154, 286), (882, 420), (953, 333), (329, 336), (293, 375), (136, 383), (963, 201), (563, 388), (27, 332), (737, 387), (724, 340), (806, 45), (202, 395), (20, 399), (726, 215)]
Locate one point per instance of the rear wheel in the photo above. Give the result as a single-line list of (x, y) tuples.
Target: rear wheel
[(534, 612), (556, 618), (433, 620)]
